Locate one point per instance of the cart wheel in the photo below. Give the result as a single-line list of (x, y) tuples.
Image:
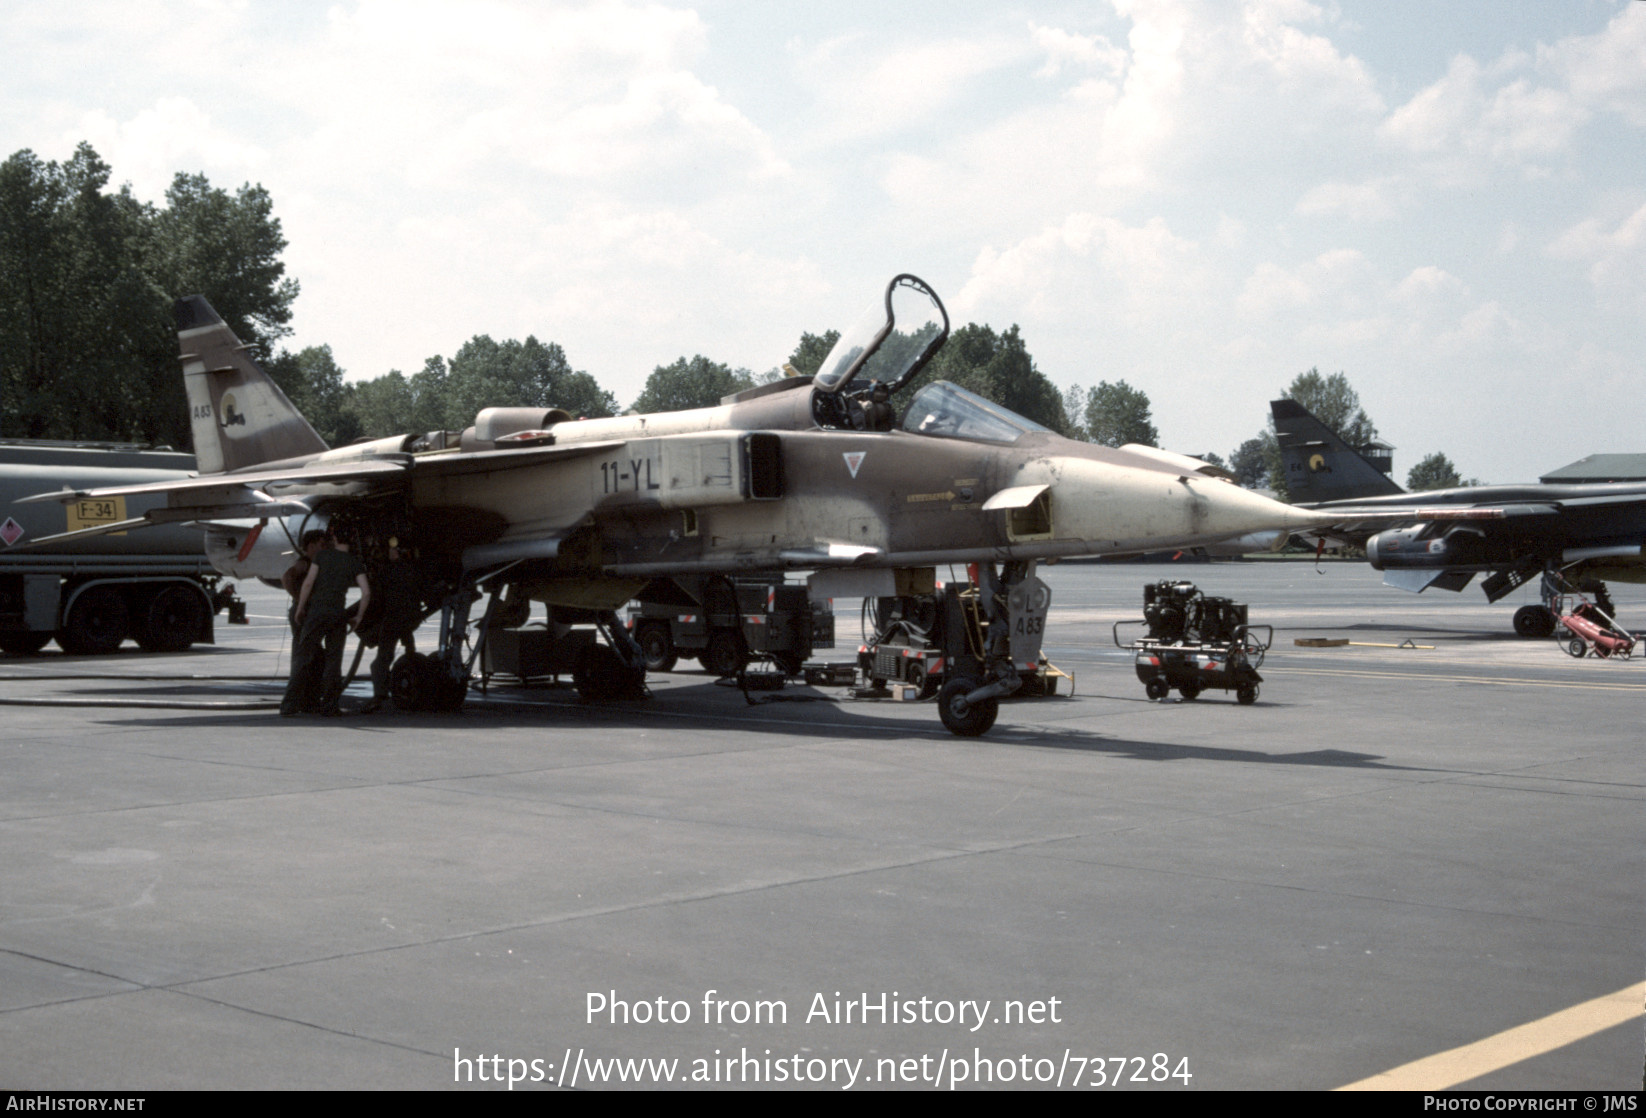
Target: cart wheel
[(1156, 689), (1190, 692), (1576, 647), (975, 719), (1602, 651), (1246, 693)]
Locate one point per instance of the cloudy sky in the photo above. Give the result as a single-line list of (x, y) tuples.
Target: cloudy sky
[(1446, 201)]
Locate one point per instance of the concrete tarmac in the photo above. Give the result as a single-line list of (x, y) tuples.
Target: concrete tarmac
[(1396, 853)]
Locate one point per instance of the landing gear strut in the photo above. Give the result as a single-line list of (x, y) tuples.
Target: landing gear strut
[(1010, 621)]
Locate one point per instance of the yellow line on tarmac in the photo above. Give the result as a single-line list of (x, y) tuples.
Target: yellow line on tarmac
[(1505, 681), (1448, 1069)]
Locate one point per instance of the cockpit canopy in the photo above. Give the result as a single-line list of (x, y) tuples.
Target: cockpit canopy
[(882, 351)]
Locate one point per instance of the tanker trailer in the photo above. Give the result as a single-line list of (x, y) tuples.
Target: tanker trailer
[(154, 586)]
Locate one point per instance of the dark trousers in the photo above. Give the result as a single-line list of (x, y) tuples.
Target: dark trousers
[(387, 644), (316, 682)]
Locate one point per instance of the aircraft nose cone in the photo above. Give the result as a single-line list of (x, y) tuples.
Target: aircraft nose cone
[(1123, 508)]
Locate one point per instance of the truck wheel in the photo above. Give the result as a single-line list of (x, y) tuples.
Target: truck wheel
[(96, 623), (975, 719), (790, 662), (23, 644), (1157, 689), (657, 647), (1534, 622), (175, 619), (601, 676), (726, 654), (1246, 694), (1190, 692)]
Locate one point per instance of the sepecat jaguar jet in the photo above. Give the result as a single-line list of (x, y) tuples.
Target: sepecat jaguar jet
[(807, 473)]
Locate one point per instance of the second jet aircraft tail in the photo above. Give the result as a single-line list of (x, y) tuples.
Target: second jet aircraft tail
[(1320, 466)]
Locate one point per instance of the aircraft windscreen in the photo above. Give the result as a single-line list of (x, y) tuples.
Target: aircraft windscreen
[(949, 411)]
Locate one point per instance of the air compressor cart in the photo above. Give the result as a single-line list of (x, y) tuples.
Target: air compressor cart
[(1584, 627), (1194, 643)]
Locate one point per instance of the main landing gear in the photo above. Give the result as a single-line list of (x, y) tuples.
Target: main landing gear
[(601, 672)]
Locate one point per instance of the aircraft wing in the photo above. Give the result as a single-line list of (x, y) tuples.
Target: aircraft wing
[(266, 493)]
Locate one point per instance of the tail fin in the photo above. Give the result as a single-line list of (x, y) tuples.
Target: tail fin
[(240, 417), (1319, 465)]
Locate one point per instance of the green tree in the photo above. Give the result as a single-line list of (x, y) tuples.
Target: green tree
[(1434, 472), (1250, 464), (384, 406), (997, 366), (428, 393), (1117, 414), (226, 247), (694, 383), (313, 381), (76, 307), (1074, 412), (88, 349), (808, 356), (485, 374), (1334, 402)]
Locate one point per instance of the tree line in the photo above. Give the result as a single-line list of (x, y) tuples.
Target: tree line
[(88, 347)]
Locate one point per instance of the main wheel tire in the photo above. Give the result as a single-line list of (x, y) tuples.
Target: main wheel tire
[(96, 624), (658, 647), (975, 719), (1576, 648), (726, 654), (1534, 622), (1156, 689), (175, 619), (601, 676), (407, 682), (23, 644), (446, 692)]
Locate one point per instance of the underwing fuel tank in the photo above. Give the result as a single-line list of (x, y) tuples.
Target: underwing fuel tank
[(1422, 548)]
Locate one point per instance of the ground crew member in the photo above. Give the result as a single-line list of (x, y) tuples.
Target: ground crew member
[(292, 580), (323, 620), (400, 602)]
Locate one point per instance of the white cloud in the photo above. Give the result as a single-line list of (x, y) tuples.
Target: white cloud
[(1075, 51), (1527, 111), (1616, 257), (1084, 262), (1362, 201), (172, 135)]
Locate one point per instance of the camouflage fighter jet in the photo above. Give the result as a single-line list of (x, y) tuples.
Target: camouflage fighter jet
[(810, 473)]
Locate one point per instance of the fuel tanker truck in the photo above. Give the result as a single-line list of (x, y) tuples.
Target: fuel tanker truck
[(156, 587)]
